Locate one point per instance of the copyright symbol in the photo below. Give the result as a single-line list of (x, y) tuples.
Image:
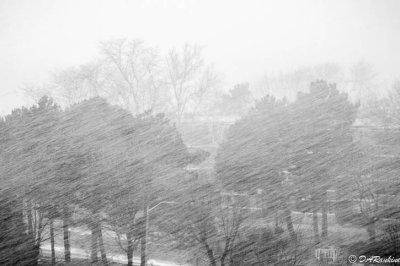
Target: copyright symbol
[(352, 258)]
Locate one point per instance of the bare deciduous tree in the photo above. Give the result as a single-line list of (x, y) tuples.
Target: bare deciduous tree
[(369, 207), (189, 78), (134, 74), (35, 92), (287, 84), (362, 77), (204, 224)]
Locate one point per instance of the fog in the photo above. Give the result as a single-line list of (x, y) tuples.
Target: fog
[(222, 133), (245, 40)]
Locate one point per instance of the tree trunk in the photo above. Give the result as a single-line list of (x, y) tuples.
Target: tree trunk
[(289, 223), (130, 248), (93, 238), (30, 218), (324, 233), (210, 255), (53, 251), (143, 241), (101, 244), (225, 253), (315, 225), (223, 259), (67, 246), (371, 230), (35, 224), (143, 251), (39, 228)]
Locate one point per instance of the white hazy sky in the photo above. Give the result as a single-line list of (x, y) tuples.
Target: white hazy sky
[(245, 39)]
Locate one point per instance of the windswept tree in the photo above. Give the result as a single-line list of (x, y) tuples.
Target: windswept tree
[(375, 187), (94, 156), (263, 246), (322, 145), (68, 162), (138, 161), (237, 102), (43, 123), (311, 138), (203, 224), (255, 153), (55, 162), (27, 134), (17, 244), (94, 126)]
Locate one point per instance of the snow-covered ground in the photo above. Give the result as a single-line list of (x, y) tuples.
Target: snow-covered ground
[(118, 258)]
